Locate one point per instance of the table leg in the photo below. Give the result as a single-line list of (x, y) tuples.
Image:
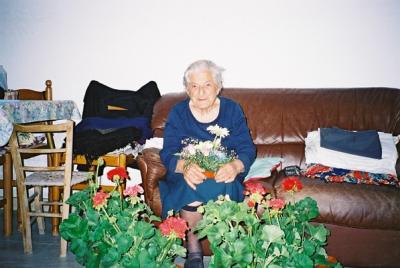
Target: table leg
[(55, 196), (54, 160), (8, 194)]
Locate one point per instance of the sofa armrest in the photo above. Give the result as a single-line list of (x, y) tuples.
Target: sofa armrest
[(152, 171)]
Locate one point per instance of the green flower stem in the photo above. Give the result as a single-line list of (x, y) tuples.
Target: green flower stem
[(112, 223), (250, 234), (108, 239), (269, 215), (160, 260), (230, 225), (268, 261), (277, 219), (97, 172), (86, 207), (137, 243), (120, 198), (266, 250)]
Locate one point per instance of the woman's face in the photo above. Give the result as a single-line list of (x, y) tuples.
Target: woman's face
[(202, 89)]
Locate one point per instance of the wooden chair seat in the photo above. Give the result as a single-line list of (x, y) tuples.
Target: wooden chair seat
[(55, 178)]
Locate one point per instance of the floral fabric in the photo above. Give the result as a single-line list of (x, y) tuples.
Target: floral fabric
[(16, 111), (331, 174)]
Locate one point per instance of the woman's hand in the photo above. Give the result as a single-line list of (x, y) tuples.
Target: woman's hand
[(228, 172), (193, 174)]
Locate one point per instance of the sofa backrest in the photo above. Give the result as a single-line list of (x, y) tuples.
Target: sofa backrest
[(279, 118)]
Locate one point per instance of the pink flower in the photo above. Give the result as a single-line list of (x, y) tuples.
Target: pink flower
[(133, 190), (117, 173), (100, 199), (276, 203), (254, 188), (174, 227), (292, 184)]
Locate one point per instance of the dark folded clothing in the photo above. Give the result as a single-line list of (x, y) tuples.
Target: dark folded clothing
[(93, 143), (106, 125), (362, 143)]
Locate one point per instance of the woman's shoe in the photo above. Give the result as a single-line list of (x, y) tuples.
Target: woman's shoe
[(194, 263)]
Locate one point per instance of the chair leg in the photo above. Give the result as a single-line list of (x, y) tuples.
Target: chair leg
[(26, 223), (63, 249), (38, 208), (65, 214)]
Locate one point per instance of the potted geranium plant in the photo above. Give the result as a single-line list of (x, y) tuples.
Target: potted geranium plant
[(110, 229), (209, 155), (263, 231)]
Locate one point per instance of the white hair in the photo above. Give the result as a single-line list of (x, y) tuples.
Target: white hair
[(204, 65)]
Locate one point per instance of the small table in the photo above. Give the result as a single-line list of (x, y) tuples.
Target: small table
[(27, 111)]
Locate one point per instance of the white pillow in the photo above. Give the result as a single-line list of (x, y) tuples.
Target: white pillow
[(314, 153), (154, 143)]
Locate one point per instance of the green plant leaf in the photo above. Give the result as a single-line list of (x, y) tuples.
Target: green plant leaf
[(73, 228), (272, 233), (242, 253), (110, 258), (309, 248), (217, 232), (220, 259), (318, 232), (154, 218), (302, 261), (232, 235), (92, 216), (78, 198), (178, 250), (130, 262), (124, 242), (144, 229)]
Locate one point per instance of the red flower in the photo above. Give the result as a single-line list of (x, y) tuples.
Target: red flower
[(174, 227), (276, 203), (133, 190), (251, 203), (254, 188), (117, 173), (100, 199), (292, 184)]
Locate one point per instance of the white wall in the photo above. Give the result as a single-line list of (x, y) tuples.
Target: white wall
[(261, 43), (264, 43)]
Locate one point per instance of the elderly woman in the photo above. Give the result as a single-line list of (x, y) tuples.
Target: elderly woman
[(186, 187)]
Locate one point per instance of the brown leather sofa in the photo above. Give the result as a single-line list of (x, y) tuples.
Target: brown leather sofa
[(364, 220)]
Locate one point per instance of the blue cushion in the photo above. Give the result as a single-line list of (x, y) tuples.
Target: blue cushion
[(262, 167), (362, 143)]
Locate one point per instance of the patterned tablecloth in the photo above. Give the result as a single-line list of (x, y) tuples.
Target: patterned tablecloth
[(26, 111)]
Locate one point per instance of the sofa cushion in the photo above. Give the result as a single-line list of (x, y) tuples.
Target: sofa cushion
[(359, 206)]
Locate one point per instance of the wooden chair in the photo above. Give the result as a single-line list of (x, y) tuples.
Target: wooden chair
[(7, 183), (43, 176), (110, 160)]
